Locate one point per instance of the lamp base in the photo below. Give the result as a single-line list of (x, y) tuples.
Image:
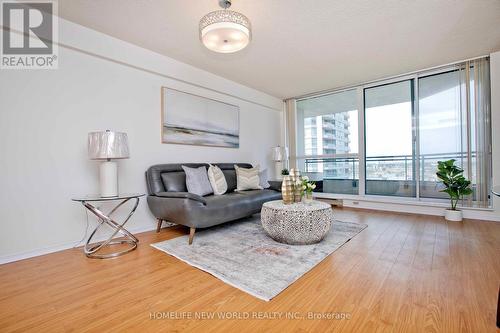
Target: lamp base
[(108, 178), (278, 167)]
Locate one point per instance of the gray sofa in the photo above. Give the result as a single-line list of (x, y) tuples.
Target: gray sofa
[(169, 200)]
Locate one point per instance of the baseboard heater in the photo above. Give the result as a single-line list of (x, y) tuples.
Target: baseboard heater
[(333, 202)]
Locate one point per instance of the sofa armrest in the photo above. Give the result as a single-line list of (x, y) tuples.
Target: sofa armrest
[(181, 195)]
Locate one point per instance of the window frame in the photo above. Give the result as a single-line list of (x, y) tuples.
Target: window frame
[(414, 132), (361, 155)]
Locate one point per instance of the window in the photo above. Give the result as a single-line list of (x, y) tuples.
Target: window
[(442, 128), (390, 153), (452, 126), (328, 144), (407, 126)]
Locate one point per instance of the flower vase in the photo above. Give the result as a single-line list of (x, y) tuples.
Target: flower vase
[(308, 198), (295, 178), (287, 190)]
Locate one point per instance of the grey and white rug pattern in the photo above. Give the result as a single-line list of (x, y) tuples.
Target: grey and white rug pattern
[(242, 255)]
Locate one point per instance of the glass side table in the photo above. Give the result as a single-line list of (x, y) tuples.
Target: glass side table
[(91, 250)]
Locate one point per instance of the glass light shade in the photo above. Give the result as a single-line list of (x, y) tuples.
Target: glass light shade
[(225, 31), (108, 145), (277, 154), (280, 153)]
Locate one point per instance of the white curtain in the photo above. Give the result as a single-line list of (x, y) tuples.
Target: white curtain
[(475, 77), (480, 103), (291, 131)]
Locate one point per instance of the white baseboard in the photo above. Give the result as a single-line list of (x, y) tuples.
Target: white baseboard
[(404, 205), (60, 247), (477, 214)]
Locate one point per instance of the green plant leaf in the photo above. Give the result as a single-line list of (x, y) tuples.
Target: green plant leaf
[(451, 176)]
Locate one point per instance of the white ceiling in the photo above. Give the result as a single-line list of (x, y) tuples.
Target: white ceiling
[(304, 46)]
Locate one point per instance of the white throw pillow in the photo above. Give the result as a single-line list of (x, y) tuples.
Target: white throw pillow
[(247, 179), (217, 180)]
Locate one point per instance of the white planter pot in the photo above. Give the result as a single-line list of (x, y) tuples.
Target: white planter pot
[(453, 215)]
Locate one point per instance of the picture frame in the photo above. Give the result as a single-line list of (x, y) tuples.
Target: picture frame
[(191, 119)]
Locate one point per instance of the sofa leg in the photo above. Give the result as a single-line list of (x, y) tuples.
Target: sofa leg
[(158, 227), (191, 235)]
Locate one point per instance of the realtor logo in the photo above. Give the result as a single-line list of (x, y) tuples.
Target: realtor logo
[(29, 35)]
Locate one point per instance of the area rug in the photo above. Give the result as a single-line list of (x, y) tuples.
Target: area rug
[(243, 256)]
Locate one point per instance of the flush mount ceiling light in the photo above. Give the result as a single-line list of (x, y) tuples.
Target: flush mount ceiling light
[(225, 31)]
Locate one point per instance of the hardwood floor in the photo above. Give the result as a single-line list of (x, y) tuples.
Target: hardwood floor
[(404, 273)]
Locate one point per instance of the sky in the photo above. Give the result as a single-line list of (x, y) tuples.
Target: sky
[(389, 127), (388, 130)]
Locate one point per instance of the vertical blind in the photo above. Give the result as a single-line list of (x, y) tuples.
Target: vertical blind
[(478, 110)]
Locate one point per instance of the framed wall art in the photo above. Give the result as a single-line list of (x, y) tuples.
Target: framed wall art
[(196, 120)]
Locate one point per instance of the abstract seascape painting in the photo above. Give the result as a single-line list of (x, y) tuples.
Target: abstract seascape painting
[(195, 120)]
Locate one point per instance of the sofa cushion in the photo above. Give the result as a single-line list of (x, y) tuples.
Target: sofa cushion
[(230, 176), (197, 181), (174, 181), (223, 208), (227, 201), (259, 197)]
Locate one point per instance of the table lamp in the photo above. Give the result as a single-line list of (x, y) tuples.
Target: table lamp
[(108, 146), (280, 154)]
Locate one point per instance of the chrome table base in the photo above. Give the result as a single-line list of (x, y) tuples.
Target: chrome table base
[(127, 238)]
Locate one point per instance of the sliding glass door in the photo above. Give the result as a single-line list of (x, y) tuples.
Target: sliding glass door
[(327, 145), (389, 140), (443, 133), (406, 125)]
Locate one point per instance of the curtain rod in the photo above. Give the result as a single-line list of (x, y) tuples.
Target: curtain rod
[(348, 87)]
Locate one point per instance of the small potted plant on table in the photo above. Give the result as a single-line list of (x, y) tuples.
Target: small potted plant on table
[(456, 185)]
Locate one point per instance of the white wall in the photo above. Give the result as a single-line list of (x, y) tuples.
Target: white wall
[(102, 83)]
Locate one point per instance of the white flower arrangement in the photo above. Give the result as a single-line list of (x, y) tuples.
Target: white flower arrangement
[(307, 186)]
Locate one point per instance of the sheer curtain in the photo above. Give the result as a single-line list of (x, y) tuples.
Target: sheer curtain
[(480, 103), (475, 83), (291, 131)]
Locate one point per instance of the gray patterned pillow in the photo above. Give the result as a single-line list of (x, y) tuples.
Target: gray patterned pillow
[(197, 181)]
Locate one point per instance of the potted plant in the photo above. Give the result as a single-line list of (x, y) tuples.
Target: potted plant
[(456, 185), (307, 189), (285, 172)]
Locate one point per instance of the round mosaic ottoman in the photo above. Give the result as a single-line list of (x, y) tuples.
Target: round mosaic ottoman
[(297, 223)]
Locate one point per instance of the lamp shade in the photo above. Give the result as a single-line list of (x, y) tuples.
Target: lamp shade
[(280, 153), (108, 145)]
